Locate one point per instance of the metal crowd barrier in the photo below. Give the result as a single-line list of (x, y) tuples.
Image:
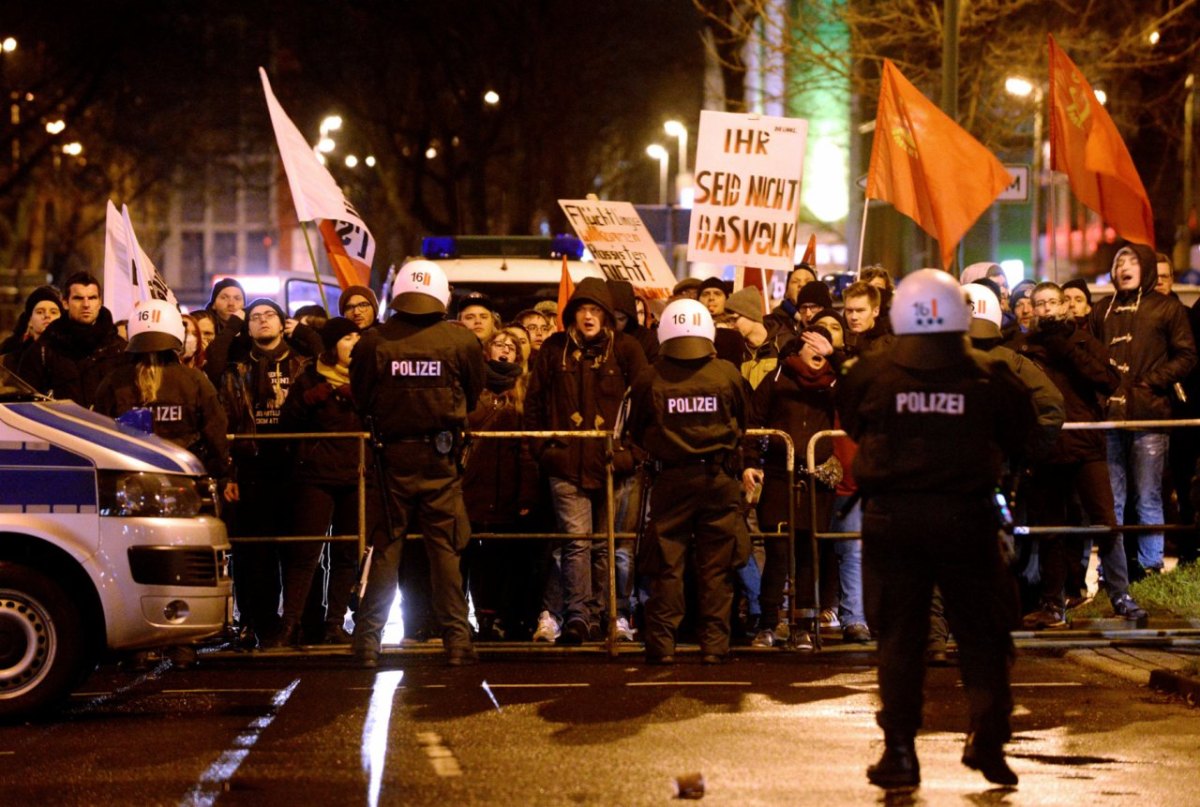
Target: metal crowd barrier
[(610, 535), (1021, 529)]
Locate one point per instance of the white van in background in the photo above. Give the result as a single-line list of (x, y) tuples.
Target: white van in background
[(513, 271)]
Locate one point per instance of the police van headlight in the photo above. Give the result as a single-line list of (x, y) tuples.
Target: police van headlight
[(125, 494)]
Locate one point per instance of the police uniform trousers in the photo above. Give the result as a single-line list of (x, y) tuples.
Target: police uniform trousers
[(911, 542), (424, 495), (696, 507)]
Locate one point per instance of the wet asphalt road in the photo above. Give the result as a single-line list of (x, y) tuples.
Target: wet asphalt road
[(766, 729)]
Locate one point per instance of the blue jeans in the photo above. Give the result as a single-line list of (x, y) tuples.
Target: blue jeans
[(583, 565), (1137, 458), (849, 561)]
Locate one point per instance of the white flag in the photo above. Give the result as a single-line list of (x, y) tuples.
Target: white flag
[(118, 288), (314, 191), (145, 277)]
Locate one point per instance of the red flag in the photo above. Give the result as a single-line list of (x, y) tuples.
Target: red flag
[(565, 289), (1085, 144), (928, 166), (810, 252), (350, 269)]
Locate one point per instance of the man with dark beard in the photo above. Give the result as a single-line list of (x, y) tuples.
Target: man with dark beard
[(77, 351)]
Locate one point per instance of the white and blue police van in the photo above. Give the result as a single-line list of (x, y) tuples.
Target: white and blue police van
[(109, 543)]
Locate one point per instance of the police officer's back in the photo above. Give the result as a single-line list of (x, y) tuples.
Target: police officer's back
[(415, 378), (933, 420), (688, 411)]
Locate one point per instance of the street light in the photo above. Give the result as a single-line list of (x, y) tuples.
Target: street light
[(370, 161), (1024, 88), (73, 149), (659, 153), (55, 126), (326, 145), (491, 97), (9, 44), (351, 161), (331, 124)]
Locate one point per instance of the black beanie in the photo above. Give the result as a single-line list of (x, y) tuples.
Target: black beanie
[(334, 330), (714, 283), (1081, 284), (250, 306), (814, 293), (220, 286), (40, 295)]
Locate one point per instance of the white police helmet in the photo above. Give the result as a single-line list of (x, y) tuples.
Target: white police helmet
[(155, 325), (986, 314), (686, 330), (929, 301), (420, 287)]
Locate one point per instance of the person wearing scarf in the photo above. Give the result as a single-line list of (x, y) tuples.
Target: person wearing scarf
[(324, 489), (500, 490), (798, 399), (1150, 343)]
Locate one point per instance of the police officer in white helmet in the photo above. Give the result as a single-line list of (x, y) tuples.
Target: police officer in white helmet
[(415, 378), (688, 411), (933, 420), (180, 402)]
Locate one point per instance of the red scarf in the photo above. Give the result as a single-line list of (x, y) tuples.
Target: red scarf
[(806, 376)]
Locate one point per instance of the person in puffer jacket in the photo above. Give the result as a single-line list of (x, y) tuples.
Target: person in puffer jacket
[(1150, 343)]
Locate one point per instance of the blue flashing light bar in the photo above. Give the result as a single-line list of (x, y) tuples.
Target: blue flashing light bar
[(448, 247)]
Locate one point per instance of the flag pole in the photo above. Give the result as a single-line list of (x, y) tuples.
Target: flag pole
[(316, 272), (862, 236)]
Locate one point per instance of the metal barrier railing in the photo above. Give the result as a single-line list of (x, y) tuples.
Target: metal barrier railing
[(610, 535), (810, 464)]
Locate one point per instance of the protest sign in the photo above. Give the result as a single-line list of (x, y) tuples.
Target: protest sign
[(748, 173), (621, 246)]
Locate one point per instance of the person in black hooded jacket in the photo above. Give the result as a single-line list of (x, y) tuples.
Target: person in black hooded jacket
[(42, 307), (1150, 343), (578, 383), (625, 315), (77, 351), (325, 492)]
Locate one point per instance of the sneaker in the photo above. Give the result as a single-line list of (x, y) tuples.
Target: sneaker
[(803, 641), (857, 633), (1127, 607), (829, 618), (1047, 617), (624, 631), (764, 638), (547, 628), (783, 630)]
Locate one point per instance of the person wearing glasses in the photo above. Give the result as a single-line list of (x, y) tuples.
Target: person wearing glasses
[(253, 365), (538, 326), (359, 305)]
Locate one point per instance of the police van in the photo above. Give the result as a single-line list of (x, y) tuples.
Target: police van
[(513, 271), (109, 542)]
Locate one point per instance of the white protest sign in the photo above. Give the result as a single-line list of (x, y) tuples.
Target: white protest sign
[(748, 172), (621, 246)]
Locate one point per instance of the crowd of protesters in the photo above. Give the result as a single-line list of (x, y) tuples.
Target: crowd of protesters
[(246, 367)]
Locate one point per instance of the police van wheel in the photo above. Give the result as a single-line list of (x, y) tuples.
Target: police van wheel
[(41, 642)]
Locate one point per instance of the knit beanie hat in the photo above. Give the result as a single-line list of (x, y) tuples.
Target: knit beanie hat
[(360, 291), (815, 293), (746, 302), (1081, 284), (334, 330), (220, 286), (714, 283), (253, 304), (40, 295)]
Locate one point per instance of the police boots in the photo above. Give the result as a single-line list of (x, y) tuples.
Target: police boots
[(898, 767), (988, 760)]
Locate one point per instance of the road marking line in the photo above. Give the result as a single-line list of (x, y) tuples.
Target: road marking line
[(689, 683), (442, 759), (375, 730), (488, 690), (534, 686), (827, 684), (214, 780), (258, 690)]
